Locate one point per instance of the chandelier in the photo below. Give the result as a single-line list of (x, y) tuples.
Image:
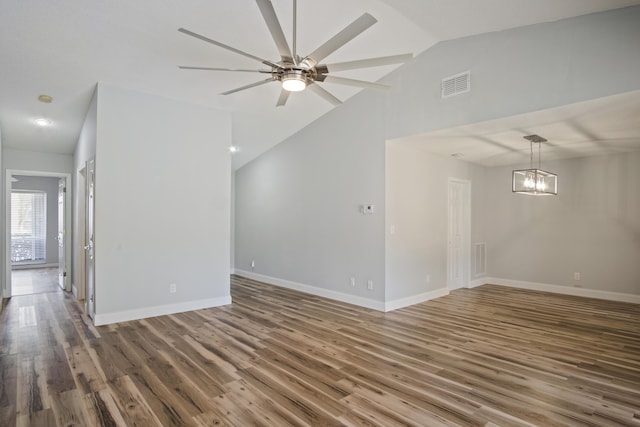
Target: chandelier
[(534, 180)]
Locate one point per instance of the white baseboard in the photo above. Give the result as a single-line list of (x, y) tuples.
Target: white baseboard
[(342, 297), (566, 290), (477, 282), (415, 299), (313, 290), (161, 310)]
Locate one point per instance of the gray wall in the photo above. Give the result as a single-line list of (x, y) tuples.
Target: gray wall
[(591, 227), (85, 150), (417, 209), (23, 160), (50, 186), (3, 275), (297, 205), (162, 205), (517, 71)]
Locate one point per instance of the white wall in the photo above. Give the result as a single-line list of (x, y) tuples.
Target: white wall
[(591, 227), (162, 205), (297, 205), (49, 185), (417, 211)]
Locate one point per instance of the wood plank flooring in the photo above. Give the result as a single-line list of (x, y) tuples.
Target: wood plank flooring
[(489, 356)]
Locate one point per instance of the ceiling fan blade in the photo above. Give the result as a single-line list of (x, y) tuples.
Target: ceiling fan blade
[(232, 49), (357, 83), (184, 67), (371, 62), (322, 93), (284, 95), (248, 86), (270, 17), (350, 32)]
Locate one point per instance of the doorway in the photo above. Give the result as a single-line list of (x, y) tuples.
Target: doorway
[(458, 233), (38, 245), (34, 281)]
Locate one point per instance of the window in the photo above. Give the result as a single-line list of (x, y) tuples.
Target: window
[(28, 227)]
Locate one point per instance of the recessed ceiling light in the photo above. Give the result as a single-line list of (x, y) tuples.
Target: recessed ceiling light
[(234, 148), (42, 122), (45, 98)]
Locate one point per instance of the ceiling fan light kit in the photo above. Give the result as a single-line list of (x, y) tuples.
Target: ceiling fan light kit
[(295, 73), (294, 80)]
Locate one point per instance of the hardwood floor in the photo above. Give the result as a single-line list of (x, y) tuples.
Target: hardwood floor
[(489, 356)]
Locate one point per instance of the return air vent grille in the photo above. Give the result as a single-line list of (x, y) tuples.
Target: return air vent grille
[(455, 85), (480, 261)]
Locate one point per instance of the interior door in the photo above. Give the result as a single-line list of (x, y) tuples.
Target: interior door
[(456, 235), (89, 245), (62, 270)]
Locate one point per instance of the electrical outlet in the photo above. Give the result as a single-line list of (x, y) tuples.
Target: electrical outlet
[(576, 275), (172, 288), (370, 284), (428, 278), (353, 281), (253, 263)]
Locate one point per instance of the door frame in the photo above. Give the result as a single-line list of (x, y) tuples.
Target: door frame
[(89, 222), (466, 230), (6, 289), (62, 255), (79, 275)]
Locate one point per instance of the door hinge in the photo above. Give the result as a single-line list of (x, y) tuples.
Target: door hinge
[(64, 274), (64, 189)]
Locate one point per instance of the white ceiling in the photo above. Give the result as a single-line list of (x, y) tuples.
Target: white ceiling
[(596, 127), (63, 48)]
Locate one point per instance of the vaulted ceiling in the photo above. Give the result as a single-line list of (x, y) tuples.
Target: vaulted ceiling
[(63, 48)]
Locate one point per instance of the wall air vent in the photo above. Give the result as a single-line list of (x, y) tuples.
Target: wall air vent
[(480, 261), (455, 85)]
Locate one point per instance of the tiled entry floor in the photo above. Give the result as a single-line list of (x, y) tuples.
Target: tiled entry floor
[(34, 281)]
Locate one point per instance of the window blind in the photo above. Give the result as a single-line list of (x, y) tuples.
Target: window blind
[(28, 226)]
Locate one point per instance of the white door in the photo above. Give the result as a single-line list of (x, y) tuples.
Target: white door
[(457, 258), (89, 245), (80, 239), (62, 271)]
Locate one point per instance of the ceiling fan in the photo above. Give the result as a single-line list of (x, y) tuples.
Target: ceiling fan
[(297, 73)]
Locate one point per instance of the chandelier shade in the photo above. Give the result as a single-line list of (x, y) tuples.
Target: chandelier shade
[(534, 181)]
